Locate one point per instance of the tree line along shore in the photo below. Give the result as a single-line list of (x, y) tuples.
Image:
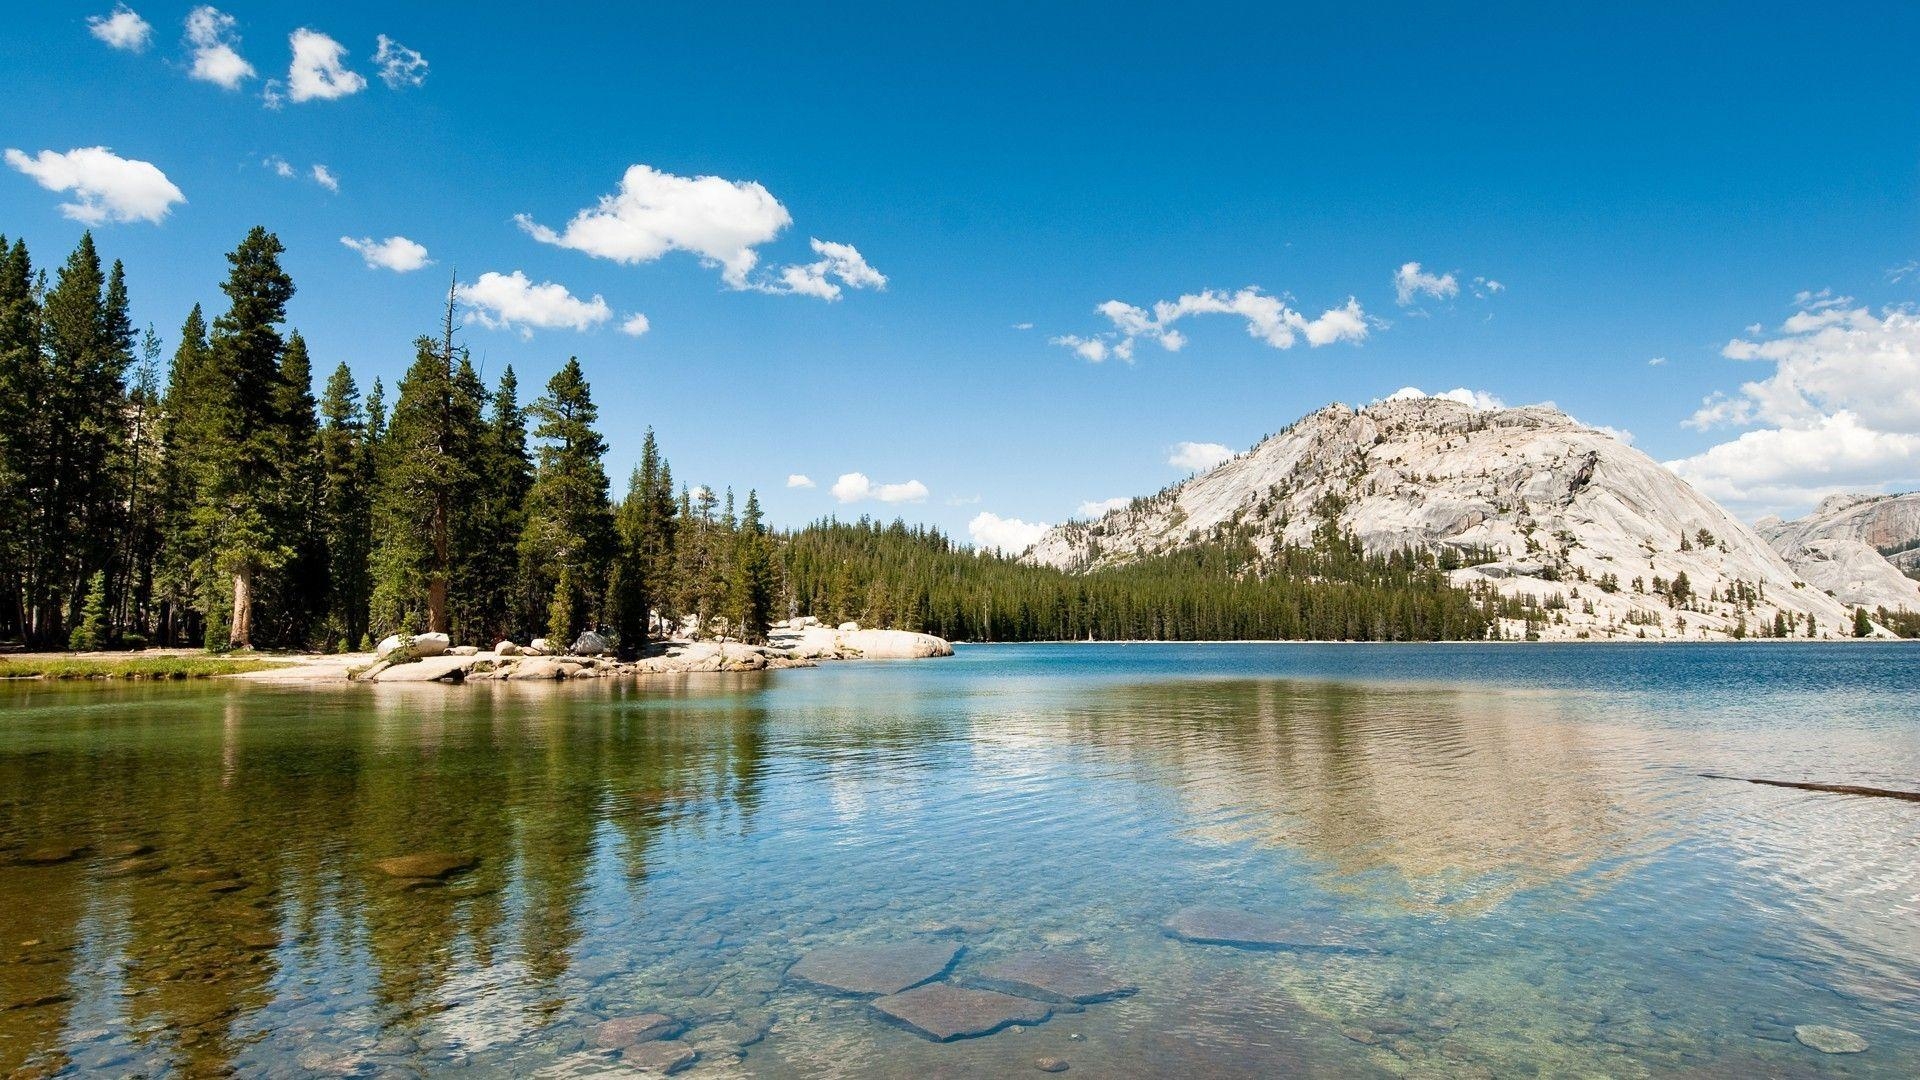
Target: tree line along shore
[(203, 495)]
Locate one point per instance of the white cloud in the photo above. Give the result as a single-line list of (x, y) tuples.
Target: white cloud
[(1008, 536), (510, 301), (1621, 434), (1268, 319), (105, 186), (840, 261), (799, 480), (395, 253), (655, 212), (1840, 409), (1410, 282), (319, 71), (400, 66), (855, 487), (124, 29), (635, 325), (1787, 469), (720, 221), (1472, 399), (1198, 456), (1483, 287), (212, 41), (1023, 326), (1103, 507), (279, 165), (325, 178), (1658, 361)]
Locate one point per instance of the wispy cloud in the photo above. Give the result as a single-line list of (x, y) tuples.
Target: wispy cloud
[(1198, 456), (213, 46), (856, 487), (1270, 319), (400, 67)]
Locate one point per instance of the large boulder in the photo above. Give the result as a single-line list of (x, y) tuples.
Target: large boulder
[(539, 647), (416, 644), (506, 648), (849, 627), (591, 644), (893, 645)]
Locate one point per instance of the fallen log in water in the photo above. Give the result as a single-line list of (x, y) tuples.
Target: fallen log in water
[(1830, 789)]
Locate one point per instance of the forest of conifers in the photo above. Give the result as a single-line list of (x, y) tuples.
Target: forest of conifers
[(203, 495)]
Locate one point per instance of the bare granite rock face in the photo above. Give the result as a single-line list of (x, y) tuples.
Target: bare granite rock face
[(944, 1012), (1523, 502), (1860, 548), (875, 969)]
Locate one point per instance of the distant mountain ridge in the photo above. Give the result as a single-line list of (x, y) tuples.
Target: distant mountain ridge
[(1863, 549), (1527, 503)]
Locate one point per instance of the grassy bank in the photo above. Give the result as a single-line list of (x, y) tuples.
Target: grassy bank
[(127, 667)]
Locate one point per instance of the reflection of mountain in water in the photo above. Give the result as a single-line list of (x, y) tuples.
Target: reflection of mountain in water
[(1468, 798)]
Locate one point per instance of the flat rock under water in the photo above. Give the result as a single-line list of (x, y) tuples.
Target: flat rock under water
[(1058, 977), (943, 1012), (1829, 1040), (875, 969)]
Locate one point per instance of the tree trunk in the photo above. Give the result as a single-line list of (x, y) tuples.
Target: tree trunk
[(437, 605), (240, 633)]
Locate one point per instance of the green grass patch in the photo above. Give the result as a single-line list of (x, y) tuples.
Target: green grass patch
[(128, 667)]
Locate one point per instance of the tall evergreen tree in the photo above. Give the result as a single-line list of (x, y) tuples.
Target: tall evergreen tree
[(567, 543), (239, 505), (753, 581), (346, 509), (426, 475), (144, 492), (184, 578), (20, 390), (298, 599), (86, 342)]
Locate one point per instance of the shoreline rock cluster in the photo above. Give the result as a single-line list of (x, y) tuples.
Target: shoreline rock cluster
[(797, 643)]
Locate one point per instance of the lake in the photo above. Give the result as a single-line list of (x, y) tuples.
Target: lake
[(1449, 860)]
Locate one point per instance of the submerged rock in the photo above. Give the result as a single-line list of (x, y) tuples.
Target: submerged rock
[(1058, 977), (943, 1012), (1253, 930), (875, 969), (49, 854), (1829, 1040), (1050, 1064), (426, 865), (665, 1058), (624, 1031)]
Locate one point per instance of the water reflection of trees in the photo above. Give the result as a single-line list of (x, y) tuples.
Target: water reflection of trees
[(1466, 796), (265, 811)]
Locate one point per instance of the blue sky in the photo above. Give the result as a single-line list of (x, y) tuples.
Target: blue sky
[(1641, 183)]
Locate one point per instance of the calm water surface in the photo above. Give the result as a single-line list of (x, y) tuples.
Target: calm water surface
[(1517, 835)]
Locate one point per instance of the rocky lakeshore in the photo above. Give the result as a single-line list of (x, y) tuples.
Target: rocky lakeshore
[(797, 643)]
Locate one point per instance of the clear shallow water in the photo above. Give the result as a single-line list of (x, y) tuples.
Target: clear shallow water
[(1517, 833)]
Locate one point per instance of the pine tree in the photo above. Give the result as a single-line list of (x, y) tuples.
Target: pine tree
[(643, 568), (426, 474), (90, 630), (568, 540), (187, 433), (238, 505), (301, 589), (144, 492), (1862, 623), (20, 389), (753, 582), (489, 578), (346, 509)]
